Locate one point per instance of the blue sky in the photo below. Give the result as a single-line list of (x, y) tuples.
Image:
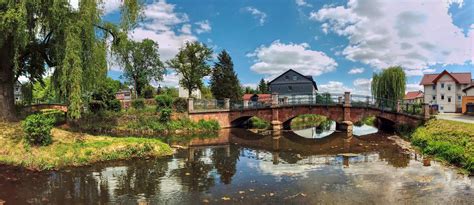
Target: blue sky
[(340, 43)]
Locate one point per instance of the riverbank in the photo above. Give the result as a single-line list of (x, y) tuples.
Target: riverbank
[(73, 149), (143, 122), (448, 141)]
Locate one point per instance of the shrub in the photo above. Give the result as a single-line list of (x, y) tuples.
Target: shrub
[(57, 116), (209, 125), (115, 105), (96, 106), (37, 128), (148, 92), (138, 103), (258, 123), (163, 101), (165, 114), (180, 105)]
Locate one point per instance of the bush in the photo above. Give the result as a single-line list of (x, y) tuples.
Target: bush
[(148, 92), (138, 103), (165, 115), (37, 128), (96, 106), (180, 105), (210, 125), (258, 123), (114, 105), (163, 101), (57, 116)]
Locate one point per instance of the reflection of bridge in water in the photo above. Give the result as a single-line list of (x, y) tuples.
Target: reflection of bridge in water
[(293, 148)]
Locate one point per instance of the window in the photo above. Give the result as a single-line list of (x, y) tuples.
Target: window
[(442, 97), (449, 99), (441, 108), (434, 97), (290, 88), (449, 87), (459, 97), (442, 85), (295, 78), (287, 77), (434, 87)]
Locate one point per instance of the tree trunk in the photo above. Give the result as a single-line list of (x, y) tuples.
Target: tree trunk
[(7, 98)]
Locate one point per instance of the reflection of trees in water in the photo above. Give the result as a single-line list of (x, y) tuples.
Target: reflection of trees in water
[(395, 157), (226, 163), (142, 177), (195, 173)]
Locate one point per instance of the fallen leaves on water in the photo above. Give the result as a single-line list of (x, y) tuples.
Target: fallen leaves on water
[(225, 198)]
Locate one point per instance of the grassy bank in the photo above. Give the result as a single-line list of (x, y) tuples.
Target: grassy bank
[(147, 119), (447, 140), (72, 149), (310, 120)]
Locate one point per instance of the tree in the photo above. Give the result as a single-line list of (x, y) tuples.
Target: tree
[(141, 63), (53, 34), (224, 82), (249, 90), (206, 93), (191, 64), (263, 87), (389, 84)]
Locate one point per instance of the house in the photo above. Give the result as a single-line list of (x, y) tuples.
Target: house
[(123, 95), (444, 90), (265, 98), (183, 93), (17, 92), (293, 83), (414, 97), (468, 100)]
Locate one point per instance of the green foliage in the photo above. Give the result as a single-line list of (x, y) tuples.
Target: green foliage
[(44, 92), (451, 141), (209, 125), (114, 105), (249, 90), (37, 35), (138, 103), (27, 93), (180, 105), (191, 63), (263, 87), (369, 120), (224, 82), (37, 128), (163, 101), (312, 120), (173, 92), (149, 92), (258, 123), (97, 106), (57, 116), (206, 93), (389, 85), (141, 63), (165, 115)]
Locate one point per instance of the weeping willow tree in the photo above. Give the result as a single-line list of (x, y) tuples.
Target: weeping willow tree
[(38, 35), (389, 85)]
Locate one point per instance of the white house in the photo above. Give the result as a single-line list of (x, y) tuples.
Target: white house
[(445, 90), (17, 92)]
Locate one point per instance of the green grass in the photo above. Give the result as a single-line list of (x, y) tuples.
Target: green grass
[(73, 149), (257, 123), (447, 140), (309, 120)]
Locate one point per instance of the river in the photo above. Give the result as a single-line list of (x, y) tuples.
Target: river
[(240, 166)]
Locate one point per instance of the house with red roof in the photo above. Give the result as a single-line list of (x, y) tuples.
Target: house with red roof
[(445, 90), (414, 97)]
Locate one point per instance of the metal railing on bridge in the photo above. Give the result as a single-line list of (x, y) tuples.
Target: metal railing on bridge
[(319, 99)]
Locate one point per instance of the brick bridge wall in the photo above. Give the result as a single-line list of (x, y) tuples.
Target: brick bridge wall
[(38, 107), (284, 114)]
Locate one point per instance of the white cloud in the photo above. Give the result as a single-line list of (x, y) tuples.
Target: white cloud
[(334, 87), (362, 86), (203, 27), (169, 80), (356, 70), (416, 34), (160, 19), (261, 16), (252, 85), (278, 57), (413, 87), (303, 3)]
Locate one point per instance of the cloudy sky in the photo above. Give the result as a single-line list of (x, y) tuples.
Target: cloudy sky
[(339, 43)]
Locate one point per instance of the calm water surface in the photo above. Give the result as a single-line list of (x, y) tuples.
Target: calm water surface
[(243, 167)]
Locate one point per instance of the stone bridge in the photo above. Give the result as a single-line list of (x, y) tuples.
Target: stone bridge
[(280, 114), (39, 107)]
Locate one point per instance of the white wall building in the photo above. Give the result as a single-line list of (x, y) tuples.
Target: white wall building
[(183, 93), (445, 90)]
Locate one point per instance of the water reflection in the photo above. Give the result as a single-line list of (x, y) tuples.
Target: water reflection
[(246, 167), (312, 132)]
